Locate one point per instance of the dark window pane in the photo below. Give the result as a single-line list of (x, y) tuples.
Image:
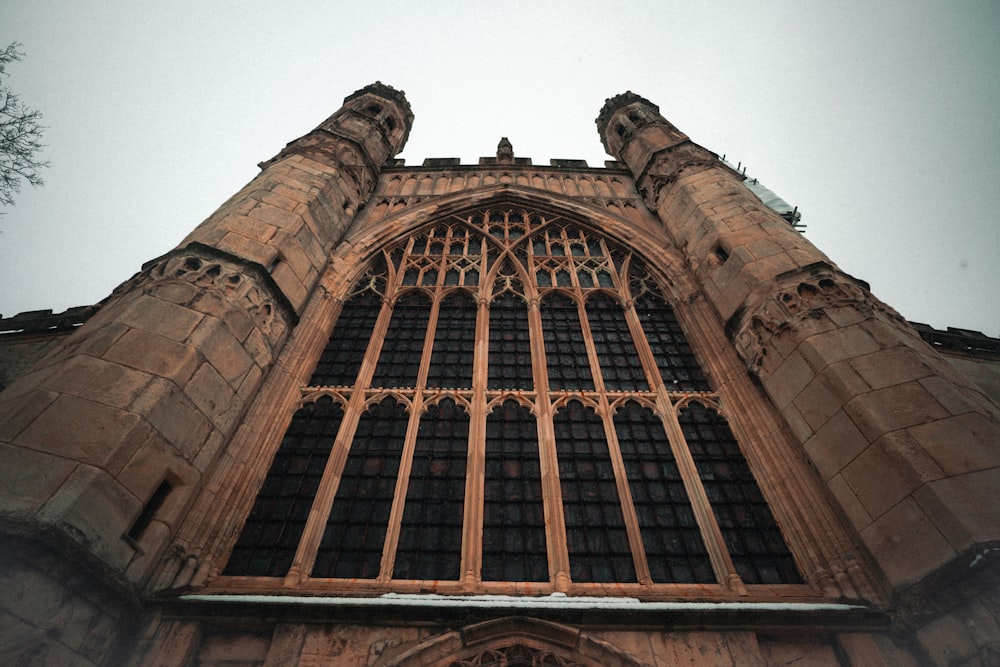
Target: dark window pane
[(748, 527), (513, 515), (339, 364), (454, 342), (399, 359), (355, 531), (510, 344), (616, 352), (679, 368), (565, 352), (430, 537), (674, 548), (271, 535), (595, 528)]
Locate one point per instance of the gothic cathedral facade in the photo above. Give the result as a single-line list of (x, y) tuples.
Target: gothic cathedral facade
[(493, 415)]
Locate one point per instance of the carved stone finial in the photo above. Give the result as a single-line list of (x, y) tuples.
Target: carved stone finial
[(505, 151)]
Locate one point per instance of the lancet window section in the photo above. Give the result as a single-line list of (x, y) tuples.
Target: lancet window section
[(507, 399)]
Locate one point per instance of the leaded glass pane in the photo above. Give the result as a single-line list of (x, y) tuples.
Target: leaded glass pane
[(513, 514), (598, 544), (675, 551), (620, 365), (454, 343), (341, 359), (565, 351), (430, 536), (752, 536), (510, 344), (271, 534), (399, 360), (677, 364), (355, 531)]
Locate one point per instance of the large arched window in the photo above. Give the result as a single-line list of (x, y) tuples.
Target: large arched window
[(507, 404)]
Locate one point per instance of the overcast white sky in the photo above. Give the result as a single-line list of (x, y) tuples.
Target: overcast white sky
[(878, 120)]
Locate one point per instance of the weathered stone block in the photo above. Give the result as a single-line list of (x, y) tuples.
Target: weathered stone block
[(213, 396), (829, 347), (293, 254), (892, 408), (17, 410), (947, 641), (790, 378), (707, 648), (248, 249), (95, 341), (82, 430), (278, 217), (156, 355), (259, 348), (835, 445), (888, 471), (99, 380), (843, 381), (817, 403), (890, 367), (906, 544), (95, 510), (28, 479), (161, 317), (961, 444), (290, 285), (800, 429), (176, 419), (849, 502), (221, 349), (956, 506)]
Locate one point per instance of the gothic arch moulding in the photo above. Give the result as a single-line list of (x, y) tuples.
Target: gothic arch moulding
[(515, 642), (366, 238)]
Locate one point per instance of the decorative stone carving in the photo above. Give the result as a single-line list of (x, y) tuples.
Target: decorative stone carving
[(788, 309), (227, 278), (668, 165), (516, 655)]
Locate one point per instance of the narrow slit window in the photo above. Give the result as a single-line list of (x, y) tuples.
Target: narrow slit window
[(149, 510)]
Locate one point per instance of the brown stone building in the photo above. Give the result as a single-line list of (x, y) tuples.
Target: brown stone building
[(497, 414)]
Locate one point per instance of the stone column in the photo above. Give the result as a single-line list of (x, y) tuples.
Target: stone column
[(907, 446), (106, 441)]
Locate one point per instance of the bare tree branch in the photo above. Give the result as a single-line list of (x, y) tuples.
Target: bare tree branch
[(20, 135)]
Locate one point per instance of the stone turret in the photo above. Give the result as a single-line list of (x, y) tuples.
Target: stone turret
[(903, 442), (106, 442)]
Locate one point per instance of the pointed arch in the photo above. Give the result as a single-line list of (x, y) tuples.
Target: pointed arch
[(534, 377), (366, 236), (501, 638)]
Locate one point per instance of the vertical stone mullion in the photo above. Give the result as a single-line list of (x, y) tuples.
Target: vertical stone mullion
[(417, 409), (472, 534), (555, 521)]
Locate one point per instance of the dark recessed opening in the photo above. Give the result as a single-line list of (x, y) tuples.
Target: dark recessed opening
[(152, 506)]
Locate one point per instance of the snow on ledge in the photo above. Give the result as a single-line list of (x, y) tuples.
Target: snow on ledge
[(553, 601)]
